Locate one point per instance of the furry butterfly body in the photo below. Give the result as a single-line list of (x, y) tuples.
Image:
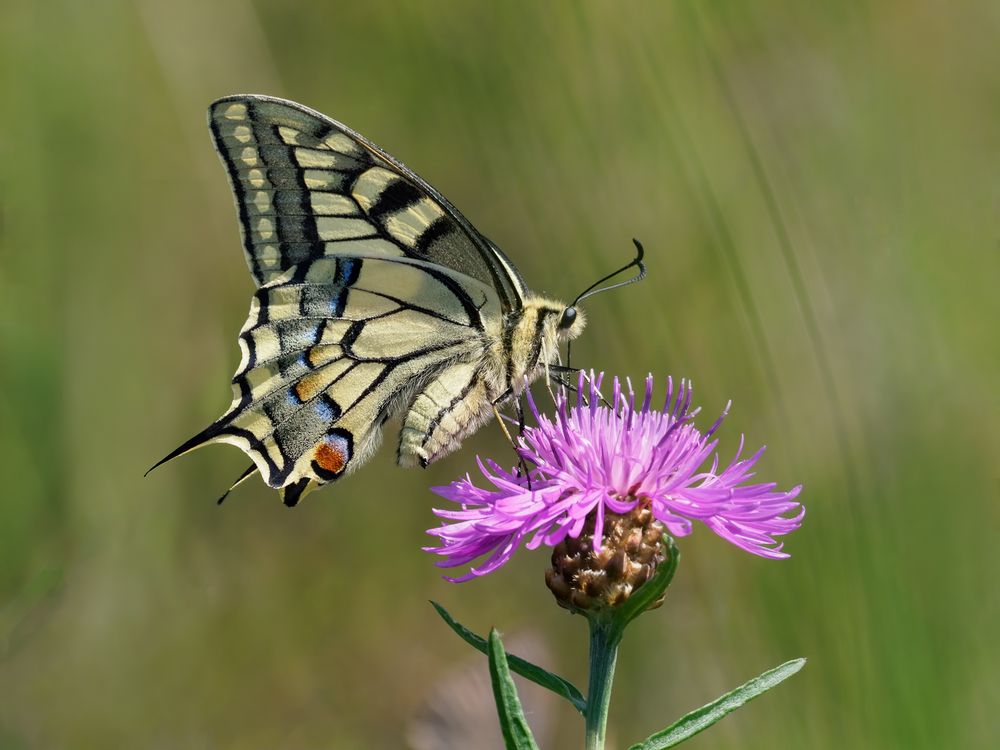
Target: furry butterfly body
[(376, 298)]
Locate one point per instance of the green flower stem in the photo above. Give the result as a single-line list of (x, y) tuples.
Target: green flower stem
[(604, 640)]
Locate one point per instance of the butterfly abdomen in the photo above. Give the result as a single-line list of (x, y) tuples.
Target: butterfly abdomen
[(454, 404)]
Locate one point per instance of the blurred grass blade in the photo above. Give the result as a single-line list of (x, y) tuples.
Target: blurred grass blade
[(802, 296), (707, 715), (651, 590), (526, 669), (516, 732)]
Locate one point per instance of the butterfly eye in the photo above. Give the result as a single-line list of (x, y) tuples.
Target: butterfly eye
[(568, 318)]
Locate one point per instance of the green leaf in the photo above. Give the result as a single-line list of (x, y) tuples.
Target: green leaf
[(526, 669), (516, 732), (650, 591), (706, 716)]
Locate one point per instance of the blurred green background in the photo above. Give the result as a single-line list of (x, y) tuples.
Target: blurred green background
[(817, 186)]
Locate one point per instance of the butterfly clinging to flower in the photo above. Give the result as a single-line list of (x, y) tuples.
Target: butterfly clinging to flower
[(375, 298)]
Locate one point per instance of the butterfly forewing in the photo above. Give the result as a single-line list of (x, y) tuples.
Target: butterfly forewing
[(307, 186)]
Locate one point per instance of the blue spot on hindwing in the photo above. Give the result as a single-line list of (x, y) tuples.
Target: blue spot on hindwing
[(347, 271), (327, 408), (340, 444)]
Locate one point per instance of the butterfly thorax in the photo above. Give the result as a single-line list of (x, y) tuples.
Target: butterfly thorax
[(530, 338)]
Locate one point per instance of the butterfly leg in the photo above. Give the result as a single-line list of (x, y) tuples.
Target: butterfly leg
[(564, 383), (496, 412), (560, 374), (503, 427), (522, 466), (560, 379)]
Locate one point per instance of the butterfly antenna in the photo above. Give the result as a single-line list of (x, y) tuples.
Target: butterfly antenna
[(591, 290), (636, 262)]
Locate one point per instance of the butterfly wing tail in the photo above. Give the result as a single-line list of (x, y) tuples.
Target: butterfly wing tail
[(249, 472), (203, 438)]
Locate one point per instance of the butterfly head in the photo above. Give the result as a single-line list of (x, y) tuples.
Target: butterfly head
[(571, 323), (552, 321), (533, 334)]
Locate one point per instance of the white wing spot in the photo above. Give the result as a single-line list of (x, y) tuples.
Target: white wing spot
[(319, 179), (311, 158), (331, 228), (265, 228), (256, 178), (249, 156), (343, 144), (269, 256), (321, 271), (283, 303), (372, 247), (332, 204), (242, 133), (235, 112), (262, 201), (266, 343), (289, 136), (253, 422)]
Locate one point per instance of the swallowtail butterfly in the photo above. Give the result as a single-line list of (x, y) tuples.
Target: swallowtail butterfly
[(375, 298)]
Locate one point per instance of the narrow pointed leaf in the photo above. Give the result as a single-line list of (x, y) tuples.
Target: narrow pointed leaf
[(526, 669), (516, 732), (706, 716), (651, 590)]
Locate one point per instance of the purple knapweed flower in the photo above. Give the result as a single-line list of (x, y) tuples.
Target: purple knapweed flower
[(595, 457)]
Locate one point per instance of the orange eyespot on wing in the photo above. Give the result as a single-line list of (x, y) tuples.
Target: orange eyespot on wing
[(332, 454), (329, 459)]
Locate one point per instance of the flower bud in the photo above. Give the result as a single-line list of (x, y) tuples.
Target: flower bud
[(583, 579)]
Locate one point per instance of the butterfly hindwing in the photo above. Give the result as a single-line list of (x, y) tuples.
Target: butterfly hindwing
[(331, 347)]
